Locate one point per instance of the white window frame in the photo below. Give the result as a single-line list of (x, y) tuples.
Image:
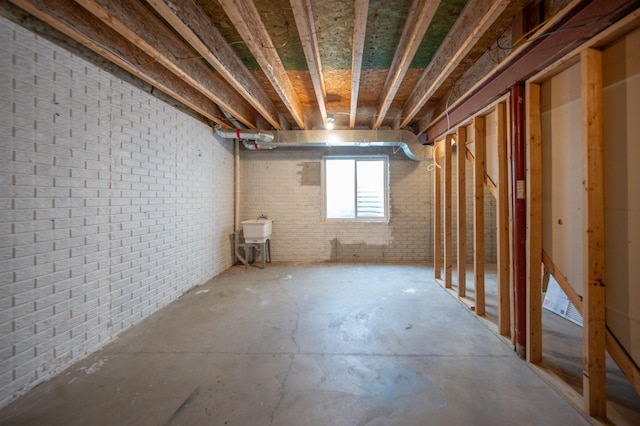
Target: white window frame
[(357, 158)]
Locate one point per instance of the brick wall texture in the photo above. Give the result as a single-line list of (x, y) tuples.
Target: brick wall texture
[(286, 185), (112, 204)]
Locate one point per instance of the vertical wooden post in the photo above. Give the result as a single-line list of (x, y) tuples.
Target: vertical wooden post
[(502, 222), (437, 219), (448, 234), (593, 338), (478, 208), (534, 224), (461, 234)]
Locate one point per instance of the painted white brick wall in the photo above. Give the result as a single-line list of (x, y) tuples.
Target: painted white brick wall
[(112, 204), (286, 185)]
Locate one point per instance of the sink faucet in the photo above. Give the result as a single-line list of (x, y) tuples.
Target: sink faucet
[(262, 216)]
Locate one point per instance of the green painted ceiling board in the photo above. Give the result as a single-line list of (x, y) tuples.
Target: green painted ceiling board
[(384, 28), (445, 16), (215, 12), (280, 23), (334, 26)]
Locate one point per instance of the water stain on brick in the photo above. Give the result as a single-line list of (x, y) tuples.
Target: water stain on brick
[(310, 173)]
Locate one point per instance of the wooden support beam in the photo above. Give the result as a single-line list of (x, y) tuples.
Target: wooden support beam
[(502, 223), (470, 26), (190, 21), (562, 281), (478, 212), (491, 186), (487, 179), (138, 25), (246, 19), (469, 156), (80, 25), (533, 141), (628, 367), (448, 215), (437, 218), (416, 25), (593, 338), (303, 14), (461, 234), (361, 11)]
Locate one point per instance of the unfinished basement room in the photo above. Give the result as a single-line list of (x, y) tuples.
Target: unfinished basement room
[(319, 212)]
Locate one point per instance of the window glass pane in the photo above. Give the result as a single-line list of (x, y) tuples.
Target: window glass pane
[(340, 188), (370, 178)]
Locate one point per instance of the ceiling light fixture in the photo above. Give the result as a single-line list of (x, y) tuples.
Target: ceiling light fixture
[(329, 123)]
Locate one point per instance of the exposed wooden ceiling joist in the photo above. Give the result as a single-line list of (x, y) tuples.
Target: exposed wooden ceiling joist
[(306, 29), (79, 25), (246, 19), (135, 22), (416, 25), (474, 21), (379, 62), (191, 22), (361, 11)]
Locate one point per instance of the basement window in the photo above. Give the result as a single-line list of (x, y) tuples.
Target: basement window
[(355, 188)]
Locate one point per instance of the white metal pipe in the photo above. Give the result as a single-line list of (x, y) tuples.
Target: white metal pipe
[(236, 202), (244, 134)]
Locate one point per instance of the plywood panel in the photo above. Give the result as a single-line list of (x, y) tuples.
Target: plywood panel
[(562, 173), (621, 100)]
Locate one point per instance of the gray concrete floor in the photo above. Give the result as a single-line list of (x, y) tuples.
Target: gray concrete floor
[(291, 344), (562, 355)]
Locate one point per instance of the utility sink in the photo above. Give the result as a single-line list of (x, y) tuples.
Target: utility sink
[(257, 230)]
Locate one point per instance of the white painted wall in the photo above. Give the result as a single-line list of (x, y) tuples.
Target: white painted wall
[(561, 118), (285, 184), (563, 229), (621, 97), (112, 204)]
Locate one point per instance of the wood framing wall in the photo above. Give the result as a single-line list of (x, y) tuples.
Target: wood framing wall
[(574, 195), (583, 219), (483, 143)]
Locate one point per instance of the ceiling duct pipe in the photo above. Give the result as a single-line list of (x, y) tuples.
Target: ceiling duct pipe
[(401, 139), (245, 135)]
